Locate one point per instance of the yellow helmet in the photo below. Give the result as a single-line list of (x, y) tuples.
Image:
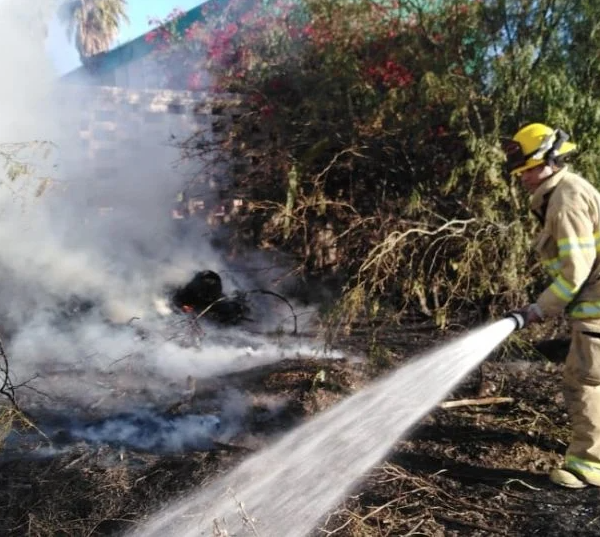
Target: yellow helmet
[(535, 144)]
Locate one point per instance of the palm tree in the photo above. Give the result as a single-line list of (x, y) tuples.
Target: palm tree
[(93, 24)]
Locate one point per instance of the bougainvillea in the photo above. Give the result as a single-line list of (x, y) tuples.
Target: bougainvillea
[(245, 42), (360, 103)]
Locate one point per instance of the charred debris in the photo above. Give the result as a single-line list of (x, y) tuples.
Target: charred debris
[(200, 298), (203, 296)]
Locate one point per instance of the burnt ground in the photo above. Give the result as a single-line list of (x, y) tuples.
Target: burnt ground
[(469, 470)]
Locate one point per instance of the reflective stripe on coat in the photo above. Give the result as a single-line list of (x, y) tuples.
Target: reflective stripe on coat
[(569, 245)]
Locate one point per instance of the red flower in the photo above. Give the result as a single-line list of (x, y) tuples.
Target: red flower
[(308, 30), (267, 110), (231, 29), (389, 74)]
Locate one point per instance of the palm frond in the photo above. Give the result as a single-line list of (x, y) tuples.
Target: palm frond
[(93, 24)]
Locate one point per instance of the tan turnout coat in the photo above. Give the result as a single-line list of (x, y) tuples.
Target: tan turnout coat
[(569, 244), (569, 208)]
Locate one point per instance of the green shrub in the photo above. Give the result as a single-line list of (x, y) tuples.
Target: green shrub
[(373, 131)]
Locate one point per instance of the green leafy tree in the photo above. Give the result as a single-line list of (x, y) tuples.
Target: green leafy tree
[(378, 156)]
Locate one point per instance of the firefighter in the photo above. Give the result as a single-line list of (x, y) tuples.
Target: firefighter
[(567, 207)]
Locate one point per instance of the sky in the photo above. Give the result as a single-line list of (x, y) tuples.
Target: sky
[(63, 53)]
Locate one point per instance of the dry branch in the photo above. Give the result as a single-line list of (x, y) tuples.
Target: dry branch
[(7, 388), (476, 402), (475, 525), (392, 242)]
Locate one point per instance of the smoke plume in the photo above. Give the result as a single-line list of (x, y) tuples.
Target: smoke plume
[(84, 310)]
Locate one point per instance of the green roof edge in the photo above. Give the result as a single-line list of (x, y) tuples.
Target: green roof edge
[(136, 48)]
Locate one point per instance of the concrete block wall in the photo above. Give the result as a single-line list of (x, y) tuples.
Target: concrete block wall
[(109, 130)]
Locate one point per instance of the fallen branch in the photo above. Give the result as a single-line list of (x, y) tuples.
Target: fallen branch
[(520, 481), (79, 459), (476, 402), (414, 530), (483, 527)]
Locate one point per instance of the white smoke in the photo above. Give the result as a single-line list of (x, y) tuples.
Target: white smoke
[(55, 247)]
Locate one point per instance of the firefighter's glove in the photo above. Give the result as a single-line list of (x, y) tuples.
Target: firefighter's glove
[(526, 316), (532, 314)]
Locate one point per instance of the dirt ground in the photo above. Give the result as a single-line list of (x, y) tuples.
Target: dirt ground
[(469, 470)]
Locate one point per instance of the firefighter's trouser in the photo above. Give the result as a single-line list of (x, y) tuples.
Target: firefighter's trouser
[(582, 392)]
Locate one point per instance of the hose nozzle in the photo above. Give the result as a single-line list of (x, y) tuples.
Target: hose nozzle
[(518, 318)]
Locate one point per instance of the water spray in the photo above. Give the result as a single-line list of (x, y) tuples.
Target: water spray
[(313, 467)]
